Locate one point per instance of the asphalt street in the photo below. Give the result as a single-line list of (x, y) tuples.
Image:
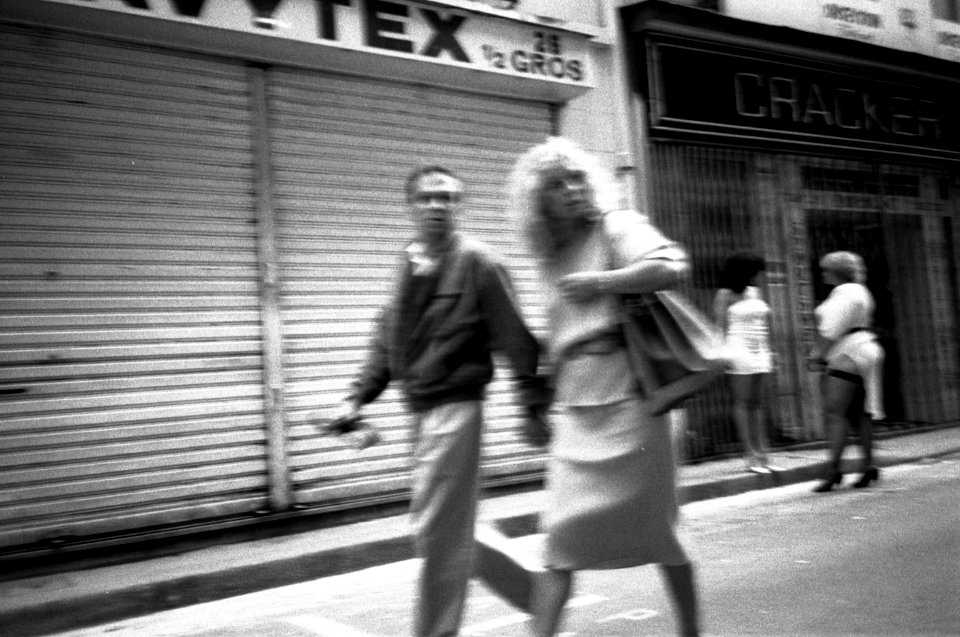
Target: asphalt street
[(783, 561)]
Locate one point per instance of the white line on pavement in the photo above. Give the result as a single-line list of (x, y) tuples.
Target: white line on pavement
[(636, 615), (513, 619), (500, 622), (325, 627), (586, 600)]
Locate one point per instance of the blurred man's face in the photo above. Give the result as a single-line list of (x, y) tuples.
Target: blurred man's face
[(434, 203)]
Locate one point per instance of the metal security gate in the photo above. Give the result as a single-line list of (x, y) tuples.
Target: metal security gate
[(192, 252), (893, 216), (793, 210), (130, 341), (717, 202), (342, 148)]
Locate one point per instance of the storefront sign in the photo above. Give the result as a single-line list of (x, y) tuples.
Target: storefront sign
[(419, 31), (714, 91), (931, 27), (831, 103)]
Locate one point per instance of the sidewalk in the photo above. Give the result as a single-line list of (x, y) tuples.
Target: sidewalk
[(53, 603)]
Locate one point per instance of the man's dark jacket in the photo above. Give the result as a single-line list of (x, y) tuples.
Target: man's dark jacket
[(438, 332)]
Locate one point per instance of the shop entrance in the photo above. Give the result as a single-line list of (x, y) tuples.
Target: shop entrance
[(863, 232), (793, 210), (865, 210)]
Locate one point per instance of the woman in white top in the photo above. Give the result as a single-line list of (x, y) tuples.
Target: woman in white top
[(745, 319), (853, 381)]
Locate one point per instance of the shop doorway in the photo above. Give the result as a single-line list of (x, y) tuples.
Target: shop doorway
[(883, 213), (879, 239)]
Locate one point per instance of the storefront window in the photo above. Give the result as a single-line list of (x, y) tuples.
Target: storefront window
[(946, 10), (854, 181)]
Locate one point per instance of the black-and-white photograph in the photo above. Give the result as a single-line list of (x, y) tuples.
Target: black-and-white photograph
[(489, 318)]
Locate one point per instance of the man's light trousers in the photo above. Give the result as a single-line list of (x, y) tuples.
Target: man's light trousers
[(444, 511)]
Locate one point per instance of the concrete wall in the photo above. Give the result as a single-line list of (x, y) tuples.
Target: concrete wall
[(602, 120)]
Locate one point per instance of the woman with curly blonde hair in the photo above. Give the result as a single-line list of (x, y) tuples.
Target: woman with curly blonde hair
[(543, 233), (611, 475)]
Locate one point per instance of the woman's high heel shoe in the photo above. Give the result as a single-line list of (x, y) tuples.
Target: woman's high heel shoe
[(827, 485), (868, 476)]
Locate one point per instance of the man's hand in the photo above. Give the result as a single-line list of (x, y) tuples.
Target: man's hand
[(344, 420), (347, 411), (348, 421), (536, 430), (364, 435)]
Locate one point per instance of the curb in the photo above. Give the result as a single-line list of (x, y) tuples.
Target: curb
[(83, 608)]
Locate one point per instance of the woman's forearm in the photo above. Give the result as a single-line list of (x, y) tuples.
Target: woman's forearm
[(721, 302), (644, 276), (648, 275)]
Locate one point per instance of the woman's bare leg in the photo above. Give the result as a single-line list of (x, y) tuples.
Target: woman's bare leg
[(683, 591), (859, 418), (838, 397), (740, 386), (550, 594), (866, 440), (758, 421)]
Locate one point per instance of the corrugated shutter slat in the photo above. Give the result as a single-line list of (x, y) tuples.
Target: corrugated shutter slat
[(342, 150), (130, 328)]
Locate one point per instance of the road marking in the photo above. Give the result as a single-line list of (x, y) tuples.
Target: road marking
[(636, 615), (586, 600), (325, 627), (513, 619), (500, 622)]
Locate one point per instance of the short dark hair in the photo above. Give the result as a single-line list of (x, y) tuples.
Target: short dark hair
[(739, 269), (417, 173)]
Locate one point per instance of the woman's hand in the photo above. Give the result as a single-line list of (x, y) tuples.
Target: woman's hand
[(581, 287), (815, 360), (816, 364)]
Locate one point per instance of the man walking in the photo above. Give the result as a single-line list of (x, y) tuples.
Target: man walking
[(452, 306)]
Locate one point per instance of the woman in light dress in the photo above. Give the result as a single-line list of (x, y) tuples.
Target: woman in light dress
[(745, 319), (611, 474), (848, 347)]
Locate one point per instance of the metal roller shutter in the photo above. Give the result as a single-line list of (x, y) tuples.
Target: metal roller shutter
[(702, 197), (130, 345), (342, 148)]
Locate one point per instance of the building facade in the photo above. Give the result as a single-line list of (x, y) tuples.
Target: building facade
[(201, 210), (799, 139)]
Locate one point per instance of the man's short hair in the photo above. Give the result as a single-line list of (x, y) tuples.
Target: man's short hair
[(423, 171)]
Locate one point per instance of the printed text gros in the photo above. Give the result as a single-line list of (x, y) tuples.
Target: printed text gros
[(385, 25)]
